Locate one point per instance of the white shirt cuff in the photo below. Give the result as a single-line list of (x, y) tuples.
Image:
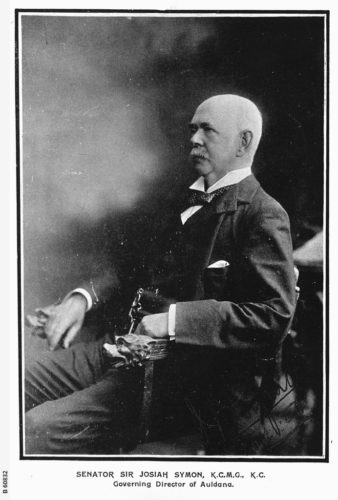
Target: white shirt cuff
[(172, 321), (86, 295)]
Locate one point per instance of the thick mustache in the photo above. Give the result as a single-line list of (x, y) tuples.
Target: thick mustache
[(198, 153)]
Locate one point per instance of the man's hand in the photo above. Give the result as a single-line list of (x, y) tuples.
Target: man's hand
[(63, 321), (154, 325)]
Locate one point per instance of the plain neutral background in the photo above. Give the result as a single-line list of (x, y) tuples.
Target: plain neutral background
[(106, 103)]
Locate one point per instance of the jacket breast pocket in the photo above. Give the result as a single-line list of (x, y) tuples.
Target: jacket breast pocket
[(216, 282)]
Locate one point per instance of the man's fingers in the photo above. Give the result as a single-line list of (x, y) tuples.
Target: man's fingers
[(55, 330), (54, 338), (35, 321), (140, 330), (70, 336), (144, 327), (62, 321), (46, 311), (39, 331), (154, 325)]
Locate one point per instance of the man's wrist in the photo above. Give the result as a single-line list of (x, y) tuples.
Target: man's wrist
[(83, 293)]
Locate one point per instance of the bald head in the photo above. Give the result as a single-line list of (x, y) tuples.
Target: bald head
[(240, 114), (226, 130)]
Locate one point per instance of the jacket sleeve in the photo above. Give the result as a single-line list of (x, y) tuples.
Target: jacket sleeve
[(101, 286), (267, 285)]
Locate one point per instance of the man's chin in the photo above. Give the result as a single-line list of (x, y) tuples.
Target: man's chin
[(201, 166)]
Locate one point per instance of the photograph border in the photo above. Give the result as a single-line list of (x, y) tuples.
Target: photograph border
[(326, 343)]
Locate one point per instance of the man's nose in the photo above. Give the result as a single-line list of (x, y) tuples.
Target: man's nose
[(196, 138)]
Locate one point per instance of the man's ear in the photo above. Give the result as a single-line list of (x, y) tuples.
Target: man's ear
[(245, 140)]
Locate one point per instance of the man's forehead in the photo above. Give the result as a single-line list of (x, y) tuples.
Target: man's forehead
[(212, 114)]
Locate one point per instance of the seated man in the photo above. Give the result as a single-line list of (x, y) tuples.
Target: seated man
[(232, 295)]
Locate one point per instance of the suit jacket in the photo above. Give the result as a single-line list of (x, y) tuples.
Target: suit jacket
[(231, 321), (246, 305), (228, 318), (249, 303)]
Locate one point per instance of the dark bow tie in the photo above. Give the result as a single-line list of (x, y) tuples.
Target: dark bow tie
[(201, 198)]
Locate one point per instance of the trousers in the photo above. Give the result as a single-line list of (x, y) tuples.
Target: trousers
[(76, 404)]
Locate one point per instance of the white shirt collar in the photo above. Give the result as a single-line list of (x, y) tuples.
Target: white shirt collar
[(232, 177)]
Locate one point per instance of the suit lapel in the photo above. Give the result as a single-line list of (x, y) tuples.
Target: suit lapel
[(206, 222), (243, 192)]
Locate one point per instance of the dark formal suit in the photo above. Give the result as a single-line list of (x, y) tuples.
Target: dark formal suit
[(235, 317), (228, 320), (249, 302)]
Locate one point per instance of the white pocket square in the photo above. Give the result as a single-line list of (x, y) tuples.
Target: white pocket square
[(219, 263)]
